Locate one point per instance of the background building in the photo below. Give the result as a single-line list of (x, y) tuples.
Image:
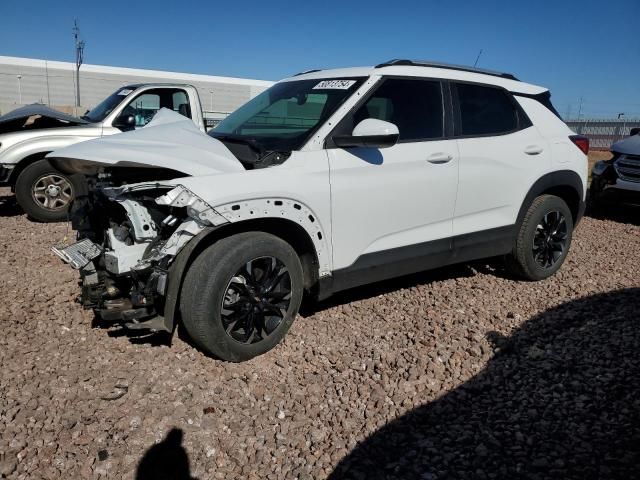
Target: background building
[(24, 81)]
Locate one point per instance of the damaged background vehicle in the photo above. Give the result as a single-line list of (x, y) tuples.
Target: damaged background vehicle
[(617, 180), (29, 133), (327, 180)]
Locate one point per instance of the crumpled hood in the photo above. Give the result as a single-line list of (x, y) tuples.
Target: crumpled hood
[(628, 146), (170, 141), (15, 120)]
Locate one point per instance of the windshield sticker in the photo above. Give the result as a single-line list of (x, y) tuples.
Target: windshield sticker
[(334, 85), (124, 92)]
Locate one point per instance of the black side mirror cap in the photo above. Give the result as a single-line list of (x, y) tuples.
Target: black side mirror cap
[(366, 141)]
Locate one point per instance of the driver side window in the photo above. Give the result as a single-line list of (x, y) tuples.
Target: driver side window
[(146, 105), (413, 105), (143, 108)]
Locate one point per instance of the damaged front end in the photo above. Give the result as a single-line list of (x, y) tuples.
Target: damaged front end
[(128, 238)]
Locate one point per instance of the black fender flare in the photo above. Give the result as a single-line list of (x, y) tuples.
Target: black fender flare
[(549, 182), (175, 276)]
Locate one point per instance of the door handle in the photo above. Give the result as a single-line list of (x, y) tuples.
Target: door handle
[(533, 150), (440, 157)]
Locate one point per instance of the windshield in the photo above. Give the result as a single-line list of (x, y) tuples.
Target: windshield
[(104, 108), (283, 117)]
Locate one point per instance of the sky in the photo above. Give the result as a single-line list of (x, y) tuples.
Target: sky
[(586, 52)]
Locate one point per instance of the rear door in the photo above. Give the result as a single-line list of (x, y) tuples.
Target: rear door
[(386, 203), (501, 155)]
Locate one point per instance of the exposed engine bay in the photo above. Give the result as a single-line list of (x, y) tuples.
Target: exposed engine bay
[(134, 217), (128, 235)]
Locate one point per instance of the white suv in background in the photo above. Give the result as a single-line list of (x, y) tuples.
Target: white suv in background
[(328, 180)]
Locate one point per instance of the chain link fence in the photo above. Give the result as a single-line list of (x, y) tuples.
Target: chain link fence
[(602, 133)]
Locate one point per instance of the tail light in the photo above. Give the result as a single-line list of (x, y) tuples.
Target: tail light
[(581, 142)]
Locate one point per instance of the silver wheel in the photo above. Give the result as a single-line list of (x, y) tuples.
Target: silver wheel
[(52, 192)]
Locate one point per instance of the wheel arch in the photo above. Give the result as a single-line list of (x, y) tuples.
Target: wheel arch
[(291, 232), (24, 163), (565, 184)]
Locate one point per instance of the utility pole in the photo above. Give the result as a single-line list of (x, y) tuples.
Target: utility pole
[(79, 58), (580, 109), (19, 89), (46, 73)]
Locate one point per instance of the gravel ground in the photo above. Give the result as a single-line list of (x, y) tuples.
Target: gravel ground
[(458, 373)]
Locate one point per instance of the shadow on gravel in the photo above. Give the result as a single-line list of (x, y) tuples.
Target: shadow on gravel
[(137, 337), (620, 213), (559, 399), (167, 460), (9, 207)]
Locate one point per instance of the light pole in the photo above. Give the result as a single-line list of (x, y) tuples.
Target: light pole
[(211, 92), (19, 89), (624, 124)]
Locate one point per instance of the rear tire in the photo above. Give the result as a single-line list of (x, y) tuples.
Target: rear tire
[(44, 193), (543, 239), (231, 307)]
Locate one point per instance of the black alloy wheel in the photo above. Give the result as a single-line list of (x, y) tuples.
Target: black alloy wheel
[(542, 240), (550, 240), (256, 300), (241, 295)]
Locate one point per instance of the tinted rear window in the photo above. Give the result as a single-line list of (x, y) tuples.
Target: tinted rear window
[(485, 111)]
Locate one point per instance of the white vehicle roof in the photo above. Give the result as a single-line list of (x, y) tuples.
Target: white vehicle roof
[(433, 70)]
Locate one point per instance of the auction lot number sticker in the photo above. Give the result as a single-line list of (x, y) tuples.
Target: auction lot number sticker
[(334, 85)]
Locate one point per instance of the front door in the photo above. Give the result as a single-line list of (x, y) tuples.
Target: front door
[(391, 204)]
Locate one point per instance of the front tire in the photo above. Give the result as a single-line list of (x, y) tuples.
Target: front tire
[(543, 239), (241, 295), (44, 193)]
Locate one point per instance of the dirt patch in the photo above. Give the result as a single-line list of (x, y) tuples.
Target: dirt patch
[(459, 373)]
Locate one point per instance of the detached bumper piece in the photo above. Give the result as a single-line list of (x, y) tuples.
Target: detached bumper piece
[(79, 254)]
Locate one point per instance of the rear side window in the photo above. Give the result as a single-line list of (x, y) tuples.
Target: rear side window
[(545, 99), (414, 106), (485, 111)]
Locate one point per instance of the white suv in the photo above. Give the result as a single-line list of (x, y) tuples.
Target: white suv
[(328, 180)]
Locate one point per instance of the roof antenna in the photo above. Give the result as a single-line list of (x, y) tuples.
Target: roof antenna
[(477, 58)]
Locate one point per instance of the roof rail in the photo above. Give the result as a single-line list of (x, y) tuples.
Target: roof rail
[(448, 66), (308, 71)]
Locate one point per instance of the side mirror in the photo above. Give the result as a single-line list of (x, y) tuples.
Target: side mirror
[(371, 133), (124, 122), (634, 131)]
